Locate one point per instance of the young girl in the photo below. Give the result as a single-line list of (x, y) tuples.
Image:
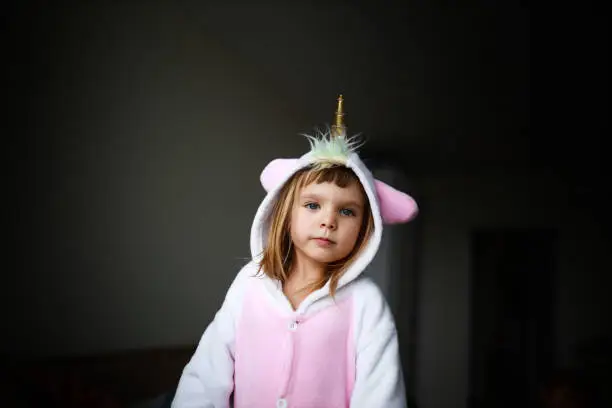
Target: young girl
[(300, 327)]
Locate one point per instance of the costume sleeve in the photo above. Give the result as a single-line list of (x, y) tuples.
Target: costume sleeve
[(207, 381), (378, 376)]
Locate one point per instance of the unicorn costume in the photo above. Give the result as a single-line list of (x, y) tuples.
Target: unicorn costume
[(329, 353)]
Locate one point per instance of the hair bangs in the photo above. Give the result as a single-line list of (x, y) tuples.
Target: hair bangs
[(329, 173)]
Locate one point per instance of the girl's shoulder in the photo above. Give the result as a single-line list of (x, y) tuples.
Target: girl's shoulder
[(364, 289), (241, 281), (370, 305)]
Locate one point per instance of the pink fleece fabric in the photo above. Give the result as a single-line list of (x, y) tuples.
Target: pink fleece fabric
[(279, 356)]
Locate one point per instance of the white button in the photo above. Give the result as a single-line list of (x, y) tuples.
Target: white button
[(293, 325), (281, 403)]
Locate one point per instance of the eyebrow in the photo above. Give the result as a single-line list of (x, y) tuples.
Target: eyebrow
[(318, 198)]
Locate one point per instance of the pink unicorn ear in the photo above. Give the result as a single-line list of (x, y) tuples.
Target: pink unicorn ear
[(395, 206), (276, 171)]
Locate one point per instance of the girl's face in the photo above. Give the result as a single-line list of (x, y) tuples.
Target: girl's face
[(326, 220)]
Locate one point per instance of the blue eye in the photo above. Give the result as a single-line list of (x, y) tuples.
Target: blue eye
[(347, 212), (312, 206)]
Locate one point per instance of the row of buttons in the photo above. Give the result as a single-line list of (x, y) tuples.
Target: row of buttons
[(281, 402)]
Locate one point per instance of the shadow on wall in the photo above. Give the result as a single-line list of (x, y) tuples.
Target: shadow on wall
[(585, 384), (592, 369)]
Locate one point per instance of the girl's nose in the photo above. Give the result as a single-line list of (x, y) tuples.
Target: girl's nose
[(329, 221)]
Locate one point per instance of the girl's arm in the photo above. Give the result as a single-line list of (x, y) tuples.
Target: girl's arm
[(207, 380), (378, 376)]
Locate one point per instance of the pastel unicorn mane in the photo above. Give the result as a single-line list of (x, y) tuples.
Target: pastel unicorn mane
[(328, 149)]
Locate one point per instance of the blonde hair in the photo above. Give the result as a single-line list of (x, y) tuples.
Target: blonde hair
[(277, 258)]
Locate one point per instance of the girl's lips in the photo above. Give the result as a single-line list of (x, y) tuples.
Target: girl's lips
[(323, 241)]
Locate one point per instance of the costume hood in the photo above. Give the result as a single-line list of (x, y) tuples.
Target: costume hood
[(388, 205)]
